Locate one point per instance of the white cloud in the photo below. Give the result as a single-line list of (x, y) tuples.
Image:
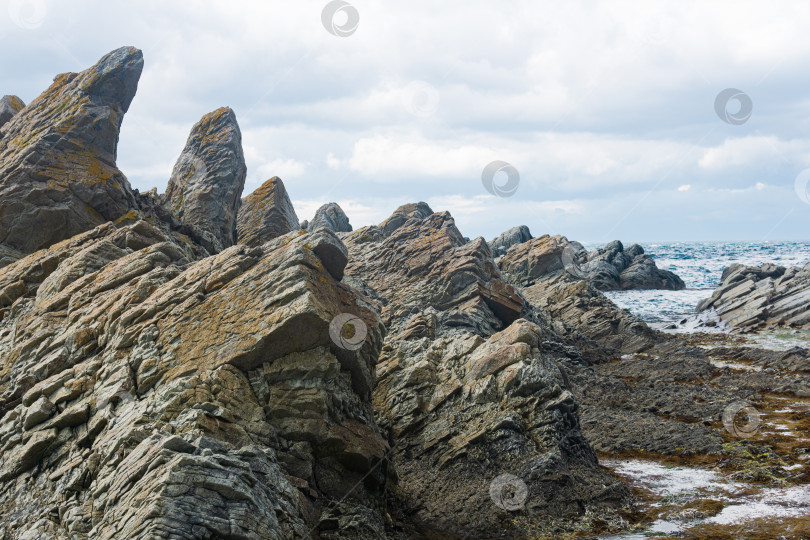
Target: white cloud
[(601, 107), (743, 151)]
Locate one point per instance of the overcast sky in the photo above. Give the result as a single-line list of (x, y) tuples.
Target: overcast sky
[(606, 110)]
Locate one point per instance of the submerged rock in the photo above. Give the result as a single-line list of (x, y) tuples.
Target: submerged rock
[(206, 184), (58, 175), (265, 214)]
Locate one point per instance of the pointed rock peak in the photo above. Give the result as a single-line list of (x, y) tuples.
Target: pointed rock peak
[(512, 237), (58, 175), (9, 106), (265, 214), (207, 181), (419, 210), (215, 122), (115, 76), (332, 217), (402, 214)]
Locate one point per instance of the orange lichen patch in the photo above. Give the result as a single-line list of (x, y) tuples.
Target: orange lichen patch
[(132, 215), (210, 127), (235, 307), (15, 102), (266, 196)]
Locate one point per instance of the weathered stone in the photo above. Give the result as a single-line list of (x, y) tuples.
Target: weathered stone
[(58, 175), (512, 237), (145, 351), (332, 217), (38, 412), (206, 184), (541, 269), (9, 106), (265, 214), (8, 255), (402, 214), (467, 388), (26, 456), (758, 297), (616, 268)]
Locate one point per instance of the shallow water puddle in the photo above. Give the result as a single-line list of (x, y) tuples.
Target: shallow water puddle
[(677, 487), (780, 340), (738, 366)]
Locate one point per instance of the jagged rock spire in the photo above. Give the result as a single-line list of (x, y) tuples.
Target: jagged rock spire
[(206, 184), (58, 175)]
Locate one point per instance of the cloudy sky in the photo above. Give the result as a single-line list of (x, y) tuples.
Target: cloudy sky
[(607, 111)]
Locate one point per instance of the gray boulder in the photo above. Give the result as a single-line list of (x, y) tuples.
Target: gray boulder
[(265, 214), (332, 217), (207, 181), (416, 211), (516, 235), (58, 175), (616, 268)]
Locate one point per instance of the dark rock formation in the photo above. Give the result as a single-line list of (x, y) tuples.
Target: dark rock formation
[(542, 270), (58, 176), (758, 297), (9, 107), (332, 217), (608, 269), (207, 181), (615, 268), (512, 237), (467, 388), (265, 214)]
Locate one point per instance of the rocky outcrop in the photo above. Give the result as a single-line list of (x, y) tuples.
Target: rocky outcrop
[(615, 268), (265, 214), (332, 217), (206, 184), (396, 381), (9, 107), (608, 269), (514, 236), (542, 270), (58, 176), (470, 385), (758, 297), (145, 394), (402, 214)]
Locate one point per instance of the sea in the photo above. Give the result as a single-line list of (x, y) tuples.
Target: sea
[(700, 265)]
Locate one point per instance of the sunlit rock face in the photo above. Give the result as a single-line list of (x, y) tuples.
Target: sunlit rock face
[(58, 173)]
